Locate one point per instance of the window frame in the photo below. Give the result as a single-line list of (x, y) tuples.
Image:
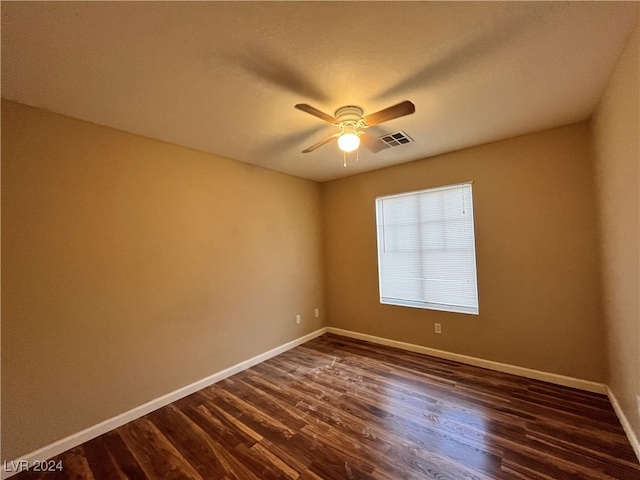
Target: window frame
[(404, 302)]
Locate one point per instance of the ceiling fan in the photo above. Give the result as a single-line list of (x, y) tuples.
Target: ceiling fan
[(350, 121)]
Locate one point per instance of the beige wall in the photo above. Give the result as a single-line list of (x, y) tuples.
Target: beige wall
[(616, 128), (536, 246), (132, 267)]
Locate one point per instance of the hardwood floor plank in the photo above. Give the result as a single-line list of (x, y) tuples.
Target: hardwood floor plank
[(340, 408), (155, 454), (612, 467), (217, 424), (552, 467), (122, 455), (103, 466), (190, 440), (219, 441), (76, 466)]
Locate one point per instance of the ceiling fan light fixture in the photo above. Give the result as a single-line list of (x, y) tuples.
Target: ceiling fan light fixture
[(348, 142)]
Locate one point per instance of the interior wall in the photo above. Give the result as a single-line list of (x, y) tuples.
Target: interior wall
[(132, 267), (536, 247), (616, 127)]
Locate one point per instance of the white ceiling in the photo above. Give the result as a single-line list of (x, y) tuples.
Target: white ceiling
[(223, 77)]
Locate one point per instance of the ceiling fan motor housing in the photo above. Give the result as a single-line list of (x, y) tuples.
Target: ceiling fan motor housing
[(350, 113)]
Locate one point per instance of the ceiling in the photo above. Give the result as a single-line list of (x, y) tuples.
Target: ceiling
[(223, 77)]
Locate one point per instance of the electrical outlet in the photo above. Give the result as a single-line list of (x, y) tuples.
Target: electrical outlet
[(438, 328), (317, 312), (297, 318)]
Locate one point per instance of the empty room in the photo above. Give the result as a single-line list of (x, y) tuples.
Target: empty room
[(320, 240)]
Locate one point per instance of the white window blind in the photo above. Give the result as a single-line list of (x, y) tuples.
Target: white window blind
[(426, 249)]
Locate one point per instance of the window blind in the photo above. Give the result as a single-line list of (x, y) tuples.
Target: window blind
[(426, 249)]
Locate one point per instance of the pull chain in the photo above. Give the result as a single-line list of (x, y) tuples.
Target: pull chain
[(344, 157), (464, 208)]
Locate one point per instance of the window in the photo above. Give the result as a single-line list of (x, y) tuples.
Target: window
[(426, 249)]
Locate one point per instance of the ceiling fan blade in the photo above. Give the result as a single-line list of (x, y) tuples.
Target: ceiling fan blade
[(399, 110), (320, 143), (372, 143), (317, 113)]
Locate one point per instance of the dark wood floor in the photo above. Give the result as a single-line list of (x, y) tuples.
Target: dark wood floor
[(337, 408)]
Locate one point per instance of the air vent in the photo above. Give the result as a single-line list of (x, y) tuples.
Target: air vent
[(396, 139)]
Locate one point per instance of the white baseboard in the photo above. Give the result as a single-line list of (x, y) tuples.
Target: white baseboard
[(76, 439), (625, 423), (87, 434), (587, 385)]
